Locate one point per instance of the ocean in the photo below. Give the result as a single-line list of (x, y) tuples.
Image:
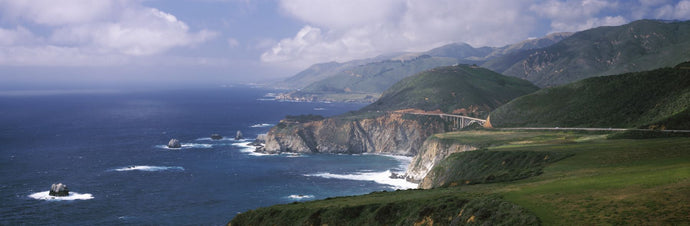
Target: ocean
[(109, 149)]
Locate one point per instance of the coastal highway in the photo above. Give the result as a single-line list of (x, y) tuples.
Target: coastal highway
[(592, 129), (545, 128)]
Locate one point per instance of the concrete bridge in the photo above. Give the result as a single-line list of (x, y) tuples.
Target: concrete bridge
[(457, 121)]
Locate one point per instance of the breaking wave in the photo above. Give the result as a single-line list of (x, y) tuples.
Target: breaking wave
[(249, 149), (186, 146), (150, 168), (300, 197), (222, 139), (378, 177), (44, 195), (261, 125)]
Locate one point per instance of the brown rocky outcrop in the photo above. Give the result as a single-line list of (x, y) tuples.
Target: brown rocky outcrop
[(431, 153), (390, 133), (58, 189)]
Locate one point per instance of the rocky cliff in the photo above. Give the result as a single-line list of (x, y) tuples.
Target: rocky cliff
[(431, 153), (387, 133)]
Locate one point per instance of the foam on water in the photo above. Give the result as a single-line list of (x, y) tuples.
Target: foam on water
[(186, 146), (378, 177), (403, 160), (150, 168), (44, 195), (319, 109), (291, 155), (222, 139), (249, 149), (261, 125), (300, 197)]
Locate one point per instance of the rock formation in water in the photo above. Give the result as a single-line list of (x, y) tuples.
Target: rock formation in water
[(390, 133), (174, 143), (239, 135), (431, 153), (216, 136), (259, 143), (58, 189)]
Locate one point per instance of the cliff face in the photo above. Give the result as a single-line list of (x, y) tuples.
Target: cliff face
[(391, 133), (432, 152)]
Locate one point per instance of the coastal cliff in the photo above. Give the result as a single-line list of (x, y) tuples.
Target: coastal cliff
[(387, 133), (433, 151)]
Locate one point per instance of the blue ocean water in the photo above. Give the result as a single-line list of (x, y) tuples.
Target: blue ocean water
[(109, 149)]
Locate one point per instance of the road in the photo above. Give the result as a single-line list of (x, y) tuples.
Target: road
[(592, 129)]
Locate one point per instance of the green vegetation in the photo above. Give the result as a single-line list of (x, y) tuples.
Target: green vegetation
[(637, 46), (481, 167), (603, 181), (303, 118), (474, 89), (393, 208), (658, 99), (374, 77), (294, 119)]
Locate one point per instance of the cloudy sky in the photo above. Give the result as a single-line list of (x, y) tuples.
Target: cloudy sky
[(104, 43)]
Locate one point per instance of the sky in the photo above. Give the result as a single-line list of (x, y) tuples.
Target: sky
[(52, 44)]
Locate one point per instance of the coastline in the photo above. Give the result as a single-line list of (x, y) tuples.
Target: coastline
[(393, 177)]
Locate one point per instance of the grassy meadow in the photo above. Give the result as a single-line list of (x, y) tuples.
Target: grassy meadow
[(596, 180)]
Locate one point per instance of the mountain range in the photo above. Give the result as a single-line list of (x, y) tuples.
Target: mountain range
[(638, 46), (555, 59)]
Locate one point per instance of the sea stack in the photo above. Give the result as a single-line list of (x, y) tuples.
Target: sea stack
[(216, 136), (239, 135), (58, 189), (174, 143)]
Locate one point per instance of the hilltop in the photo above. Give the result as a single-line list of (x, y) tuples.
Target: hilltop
[(637, 46), (366, 82), (651, 99), (461, 89)]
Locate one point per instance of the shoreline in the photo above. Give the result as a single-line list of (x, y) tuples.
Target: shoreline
[(394, 177)]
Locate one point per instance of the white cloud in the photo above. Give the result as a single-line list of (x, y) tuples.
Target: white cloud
[(578, 15), (345, 30), (309, 43), (587, 23), (64, 12), (91, 32), (232, 43), (16, 36), (349, 29), (343, 13), (681, 10)]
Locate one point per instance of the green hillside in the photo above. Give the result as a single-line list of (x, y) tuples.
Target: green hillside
[(462, 51), (637, 46), (375, 77), (364, 80), (529, 44), (650, 99), (474, 89), (313, 73), (592, 180)]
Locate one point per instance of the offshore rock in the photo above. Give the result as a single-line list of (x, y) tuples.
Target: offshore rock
[(261, 138), (58, 189), (239, 135), (216, 136), (174, 143), (390, 133), (259, 143), (433, 151)]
